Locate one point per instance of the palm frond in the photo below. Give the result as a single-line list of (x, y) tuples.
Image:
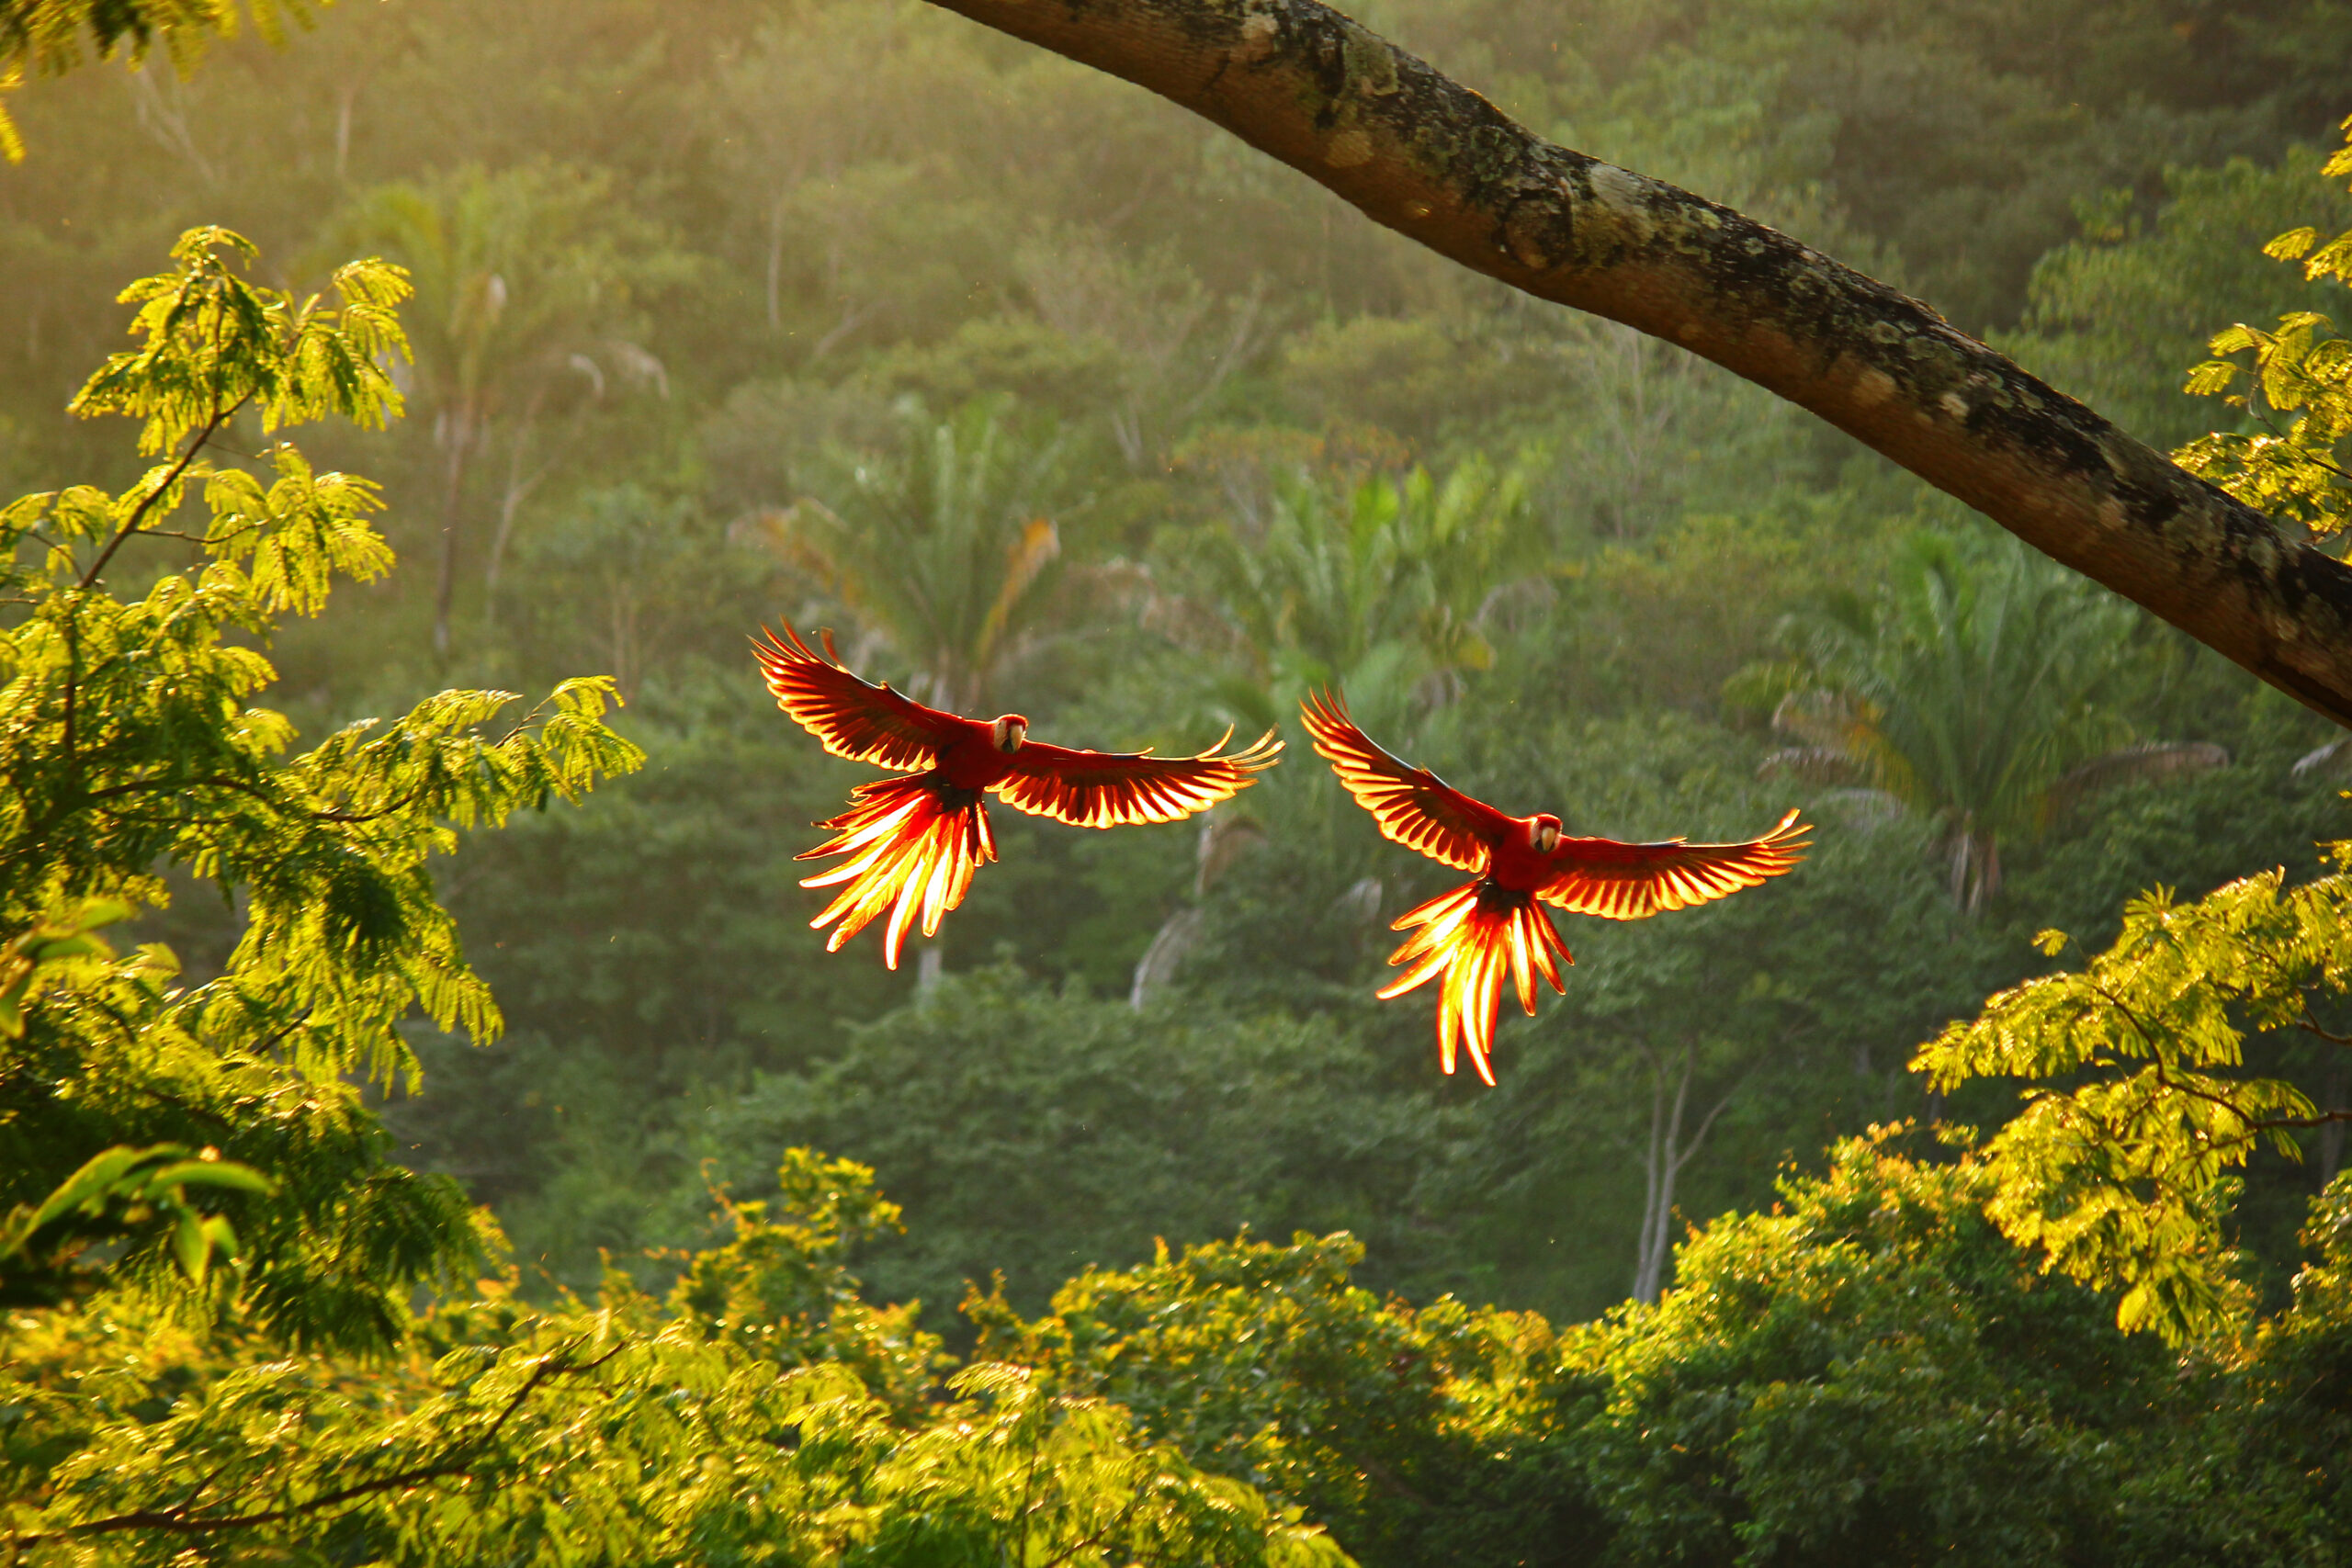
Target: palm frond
[(1823, 766), (2331, 760), (2149, 761)]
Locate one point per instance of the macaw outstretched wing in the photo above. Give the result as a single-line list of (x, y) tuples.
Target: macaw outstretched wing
[(854, 718), (1413, 805), (1112, 789), (1633, 882)]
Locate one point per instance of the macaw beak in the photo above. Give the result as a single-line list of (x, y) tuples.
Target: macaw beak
[(1547, 835), (1011, 730)]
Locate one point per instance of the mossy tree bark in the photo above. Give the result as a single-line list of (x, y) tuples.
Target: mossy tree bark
[(1437, 163)]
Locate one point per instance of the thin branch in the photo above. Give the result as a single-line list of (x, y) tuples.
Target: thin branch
[(2251, 1124), (2308, 1027), (1690, 1149), (2313, 458), (130, 524), (2280, 1123), (176, 1520), (240, 786), (1071, 1550), (66, 740), (167, 821), (1028, 1482), (187, 1106), (2147, 1036), (206, 538), (2227, 1104), (203, 1487), (129, 527)]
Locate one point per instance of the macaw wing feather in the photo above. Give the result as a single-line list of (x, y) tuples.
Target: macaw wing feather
[(1633, 882), (1412, 806), (855, 719), (1111, 789)]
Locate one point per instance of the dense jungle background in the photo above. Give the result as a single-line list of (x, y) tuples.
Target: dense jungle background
[(1045, 397)]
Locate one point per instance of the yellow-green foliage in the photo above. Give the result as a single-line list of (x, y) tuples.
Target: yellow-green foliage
[(2119, 1169), (131, 742), (581, 1442), (2294, 381), (764, 1413), (47, 37), (1268, 1363), (723, 1428), (782, 1289), (1869, 1373)]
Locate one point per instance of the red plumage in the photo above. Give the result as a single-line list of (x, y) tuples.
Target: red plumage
[(912, 843), (1490, 927)]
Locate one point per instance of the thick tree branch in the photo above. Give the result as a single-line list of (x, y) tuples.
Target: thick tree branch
[(1431, 159)]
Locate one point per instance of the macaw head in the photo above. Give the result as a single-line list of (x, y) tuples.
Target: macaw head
[(1009, 732), (1543, 834)]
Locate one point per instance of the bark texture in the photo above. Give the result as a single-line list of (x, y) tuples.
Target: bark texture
[(1437, 163)]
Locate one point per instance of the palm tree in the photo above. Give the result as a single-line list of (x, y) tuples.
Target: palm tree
[(1379, 572), (946, 553), (1973, 695), (524, 279)]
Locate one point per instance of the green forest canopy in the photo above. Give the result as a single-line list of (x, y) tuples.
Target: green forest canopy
[(698, 316)]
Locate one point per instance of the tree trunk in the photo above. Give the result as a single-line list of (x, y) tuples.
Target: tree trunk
[(1165, 954), (344, 102), (1658, 1182), (1669, 1152), (459, 430), (1422, 154), (518, 490), (1975, 866)]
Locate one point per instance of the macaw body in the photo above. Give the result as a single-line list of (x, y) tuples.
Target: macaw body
[(1496, 924), (913, 842)]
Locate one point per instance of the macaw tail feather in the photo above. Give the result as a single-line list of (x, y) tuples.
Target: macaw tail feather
[(913, 845), (1474, 936)]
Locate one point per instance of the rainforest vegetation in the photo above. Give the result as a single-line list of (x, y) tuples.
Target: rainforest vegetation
[(430, 1133)]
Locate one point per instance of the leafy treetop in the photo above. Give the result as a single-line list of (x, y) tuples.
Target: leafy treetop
[(2119, 1168), (47, 37), (129, 745), (2297, 394)]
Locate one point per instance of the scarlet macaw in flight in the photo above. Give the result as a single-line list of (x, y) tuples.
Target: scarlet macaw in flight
[(914, 842), (1475, 933)]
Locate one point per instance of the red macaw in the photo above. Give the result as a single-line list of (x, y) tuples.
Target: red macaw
[(1475, 933), (914, 842)]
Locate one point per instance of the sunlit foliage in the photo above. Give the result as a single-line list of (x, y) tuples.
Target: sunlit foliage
[(2294, 383), (731, 1426), (129, 747), (47, 37), (764, 1409), (2119, 1168)]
